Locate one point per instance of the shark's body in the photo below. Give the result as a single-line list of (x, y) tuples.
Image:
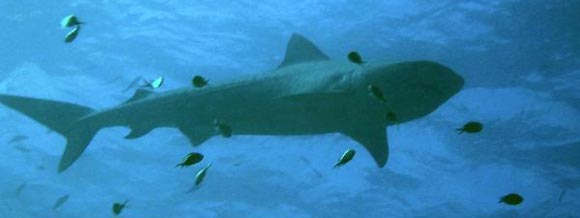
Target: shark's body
[(307, 94)]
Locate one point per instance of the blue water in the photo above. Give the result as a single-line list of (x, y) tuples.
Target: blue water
[(519, 58)]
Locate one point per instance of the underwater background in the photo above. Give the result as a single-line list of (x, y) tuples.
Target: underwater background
[(519, 58)]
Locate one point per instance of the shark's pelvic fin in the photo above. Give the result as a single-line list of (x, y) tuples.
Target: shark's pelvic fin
[(137, 132), (196, 134), (301, 50), (140, 94), (64, 118), (374, 139)]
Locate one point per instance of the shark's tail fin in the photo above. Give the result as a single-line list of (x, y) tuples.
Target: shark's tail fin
[(62, 117)]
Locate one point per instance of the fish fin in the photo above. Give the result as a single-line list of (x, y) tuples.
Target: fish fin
[(64, 118), (139, 94), (300, 50), (137, 132), (374, 139), (196, 135)]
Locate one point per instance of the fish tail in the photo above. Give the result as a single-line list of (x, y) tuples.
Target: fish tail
[(64, 118)]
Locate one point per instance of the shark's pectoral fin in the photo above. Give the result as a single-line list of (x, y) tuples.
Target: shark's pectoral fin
[(137, 132), (374, 139), (196, 135)]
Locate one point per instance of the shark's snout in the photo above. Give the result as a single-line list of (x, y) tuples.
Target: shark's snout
[(438, 77), (426, 76), (416, 88)]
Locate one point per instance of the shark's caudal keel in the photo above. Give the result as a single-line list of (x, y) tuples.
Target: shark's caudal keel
[(307, 94)]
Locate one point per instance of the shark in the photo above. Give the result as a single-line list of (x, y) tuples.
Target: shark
[(307, 94)]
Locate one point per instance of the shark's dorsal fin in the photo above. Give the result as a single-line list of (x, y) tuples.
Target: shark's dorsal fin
[(301, 50), (139, 94)]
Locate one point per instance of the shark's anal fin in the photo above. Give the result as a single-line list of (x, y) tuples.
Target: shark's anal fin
[(301, 50), (374, 139), (137, 132), (196, 134)]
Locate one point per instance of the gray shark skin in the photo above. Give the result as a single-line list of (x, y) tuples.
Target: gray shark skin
[(307, 94)]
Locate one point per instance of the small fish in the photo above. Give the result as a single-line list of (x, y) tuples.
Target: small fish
[(376, 92), (156, 83), (355, 57), (20, 188), (60, 201), (470, 127), (191, 159), (511, 199), (22, 148), (392, 117), (118, 207), (345, 158), (72, 35), (70, 21), (198, 81), (201, 175), (17, 138), (224, 129), (562, 195)]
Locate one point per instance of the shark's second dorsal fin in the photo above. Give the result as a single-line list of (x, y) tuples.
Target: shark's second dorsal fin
[(301, 50), (139, 94)]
